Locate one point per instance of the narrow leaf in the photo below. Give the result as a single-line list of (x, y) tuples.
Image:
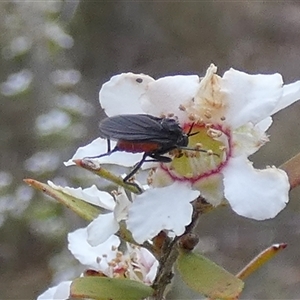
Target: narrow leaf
[(207, 278), (85, 210), (103, 288), (260, 260)]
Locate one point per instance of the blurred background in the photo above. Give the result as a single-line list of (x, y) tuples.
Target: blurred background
[(55, 55)]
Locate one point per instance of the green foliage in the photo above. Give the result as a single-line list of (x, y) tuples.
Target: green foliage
[(207, 278), (83, 209), (103, 288)]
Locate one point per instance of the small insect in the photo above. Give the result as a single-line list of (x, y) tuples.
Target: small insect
[(144, 133)]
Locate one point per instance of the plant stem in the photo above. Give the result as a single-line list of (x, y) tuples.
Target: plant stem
[(170, 251)]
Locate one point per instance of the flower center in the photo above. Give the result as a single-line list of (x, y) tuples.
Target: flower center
[(209, 149)]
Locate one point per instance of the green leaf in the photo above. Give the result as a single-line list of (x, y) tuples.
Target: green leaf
[(103, 288), (207, 278), (85, 210), (260, 260)]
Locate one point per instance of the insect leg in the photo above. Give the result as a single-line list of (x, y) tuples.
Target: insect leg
[(155, 158), (108, 145), (135, 168), (159, 158), (109, 151)]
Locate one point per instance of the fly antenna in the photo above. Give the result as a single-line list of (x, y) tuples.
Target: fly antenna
[(190, 130)]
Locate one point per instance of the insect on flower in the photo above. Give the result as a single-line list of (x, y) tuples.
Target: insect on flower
[(139, 133)]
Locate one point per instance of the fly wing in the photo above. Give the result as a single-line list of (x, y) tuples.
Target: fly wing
[(140, 127)]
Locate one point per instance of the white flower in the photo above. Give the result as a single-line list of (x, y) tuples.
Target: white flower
[(230, 115), (136, 263), (96, 258)]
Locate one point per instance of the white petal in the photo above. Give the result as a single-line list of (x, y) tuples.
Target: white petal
[(101, 228), (99, 146), (152, 273), (96, 147), (147, 259), (248, 139), (59, 292), (91, 195), (165, 95), (252, 193), (212, 189), (121, 95), (122, 204), (264, 124), (97, 257), (251, 98), (161, 208), (291, 93)]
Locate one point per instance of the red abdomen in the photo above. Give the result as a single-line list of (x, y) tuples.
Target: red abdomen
[(136, 146)]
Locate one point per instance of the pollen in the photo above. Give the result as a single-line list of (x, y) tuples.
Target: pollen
[(208, 114), (210, 152), (151, 172), (213, 133), (149, 180), (182, 107), (115, 193), (192, 117)]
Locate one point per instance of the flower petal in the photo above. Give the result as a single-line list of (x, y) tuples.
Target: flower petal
[(152, 272), (99, 146), (251, 98), (247, 139), (150, 264), (121, 95), (100, 229), (161, 208), (91, 195), (96, 147), (122, 204), (59, 292), (212, 189), (291, 93), (96, 258), (252, 193), (165, 95), (264, 124)]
